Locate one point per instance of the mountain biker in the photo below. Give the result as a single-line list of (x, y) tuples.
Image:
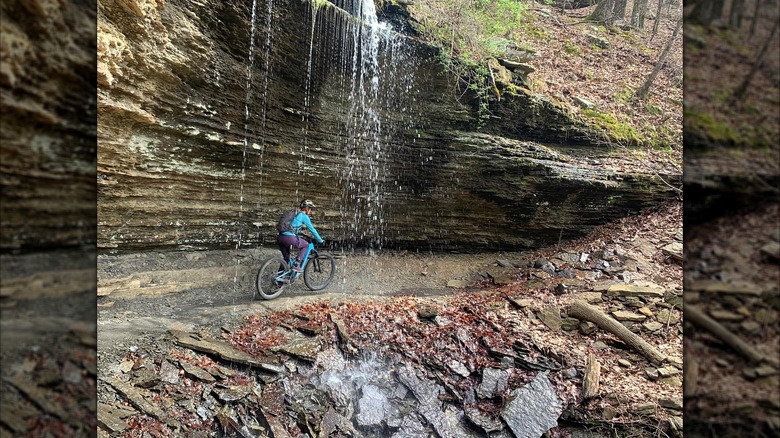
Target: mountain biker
[(289, 238)]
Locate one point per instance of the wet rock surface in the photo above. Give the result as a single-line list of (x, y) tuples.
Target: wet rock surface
[(399, 361)]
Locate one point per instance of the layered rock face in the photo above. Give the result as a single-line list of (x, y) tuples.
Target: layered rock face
[(48, 140), (214, 117)]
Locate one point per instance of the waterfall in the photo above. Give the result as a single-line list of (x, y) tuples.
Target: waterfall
[(365, 64), (247, 102), (248, 117), (371, 86)]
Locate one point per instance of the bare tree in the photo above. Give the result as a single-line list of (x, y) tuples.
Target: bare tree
[(641, 93), (638, 13), (657, 19), (619, 11), (706, 11), (754, 20), (738, 95), (736, 14)]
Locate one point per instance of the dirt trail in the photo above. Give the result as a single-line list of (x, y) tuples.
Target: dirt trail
[(126, 317)]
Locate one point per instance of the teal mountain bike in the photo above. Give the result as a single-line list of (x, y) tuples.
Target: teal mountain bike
[(276, 274)]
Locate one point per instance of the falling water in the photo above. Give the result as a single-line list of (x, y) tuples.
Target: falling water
[(368, 60), (364, 152), (374, 79), (247, 101), (247, 119), (266, 55), (307, 100)]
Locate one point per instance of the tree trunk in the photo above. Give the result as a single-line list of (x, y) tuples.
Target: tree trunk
[(619, 11), (739, 93), (604, 12), (657, 19), (701, 13), (700, 319), (582, 310), (638, 14), (736, 13), (717, 9), (754, 19), (641, 93), (706, 11)]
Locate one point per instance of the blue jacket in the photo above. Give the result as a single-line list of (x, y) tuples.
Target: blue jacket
[(298, 221)]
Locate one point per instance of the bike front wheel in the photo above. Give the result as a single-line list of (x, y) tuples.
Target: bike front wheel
[(271, 278), (319, 271)]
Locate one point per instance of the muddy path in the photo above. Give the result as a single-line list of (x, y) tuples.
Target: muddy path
[(124, 317)]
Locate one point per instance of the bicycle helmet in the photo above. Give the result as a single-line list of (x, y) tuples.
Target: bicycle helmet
[(307, 204)]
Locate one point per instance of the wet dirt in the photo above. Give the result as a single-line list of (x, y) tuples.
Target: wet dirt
[(133, 320)]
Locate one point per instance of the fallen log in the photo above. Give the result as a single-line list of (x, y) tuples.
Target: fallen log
[(582, 310), (700, 319), (590, 384)]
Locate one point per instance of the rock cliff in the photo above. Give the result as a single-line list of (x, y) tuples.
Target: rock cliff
[(213, 117), (48, 116)]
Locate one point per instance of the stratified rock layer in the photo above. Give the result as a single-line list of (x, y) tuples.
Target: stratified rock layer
[(217, 116), (48, 117)]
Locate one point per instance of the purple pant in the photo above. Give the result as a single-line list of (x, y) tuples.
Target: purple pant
[(286, 241)]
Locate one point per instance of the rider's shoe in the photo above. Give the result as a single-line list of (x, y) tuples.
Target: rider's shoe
[(296, 268)]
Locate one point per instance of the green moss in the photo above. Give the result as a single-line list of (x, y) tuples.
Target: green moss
[(571, 48), (618, 130), (654, 110), (647, 50), (320, 3), (709, 127), (628, 36), (623, 95), (530, 28)]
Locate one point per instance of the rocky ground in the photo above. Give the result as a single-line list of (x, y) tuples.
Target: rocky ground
[(732, 276), (402, 344), (47, 344), (366, 357)]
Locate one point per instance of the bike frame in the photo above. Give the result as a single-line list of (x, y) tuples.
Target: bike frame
[(292, 273)]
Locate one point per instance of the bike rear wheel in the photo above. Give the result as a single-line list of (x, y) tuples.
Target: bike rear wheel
[(268, 281), (319, 271)]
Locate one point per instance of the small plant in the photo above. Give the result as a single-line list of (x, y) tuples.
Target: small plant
[(624, 95), (571, 48), (654, 110)]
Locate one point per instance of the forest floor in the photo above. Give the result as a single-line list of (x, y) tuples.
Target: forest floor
[(593, 71), (732, 182)]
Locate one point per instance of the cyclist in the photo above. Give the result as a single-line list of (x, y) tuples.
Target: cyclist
[(290, 237)]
